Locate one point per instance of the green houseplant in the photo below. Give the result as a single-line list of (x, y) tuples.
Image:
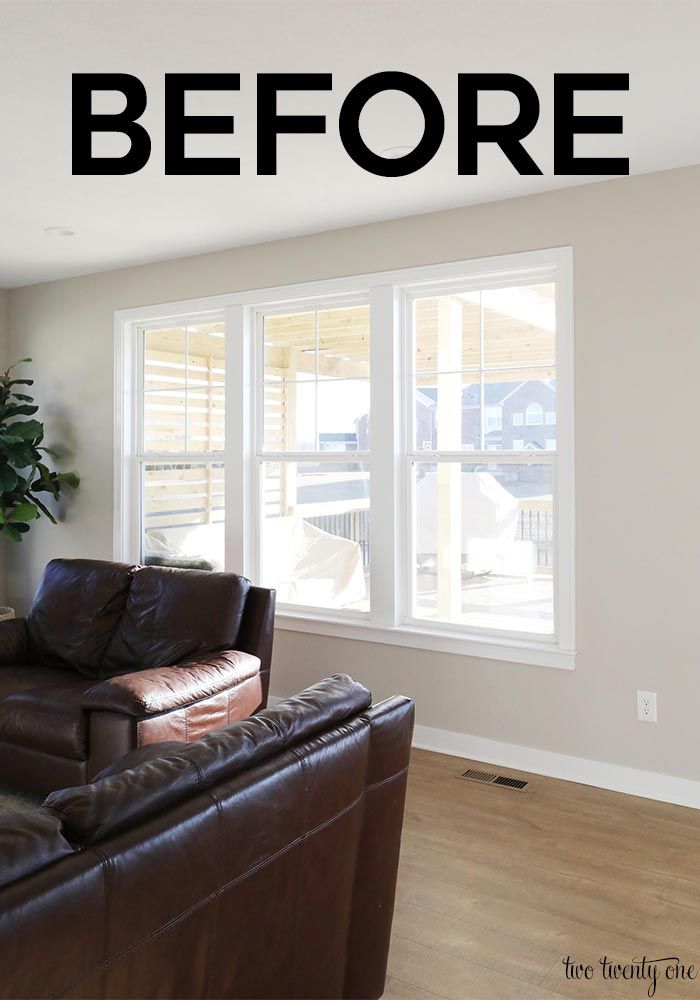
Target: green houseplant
[(23, 470)]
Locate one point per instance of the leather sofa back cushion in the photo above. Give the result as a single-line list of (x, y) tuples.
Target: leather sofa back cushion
[(153, 781), (172, 614), (76, 611)]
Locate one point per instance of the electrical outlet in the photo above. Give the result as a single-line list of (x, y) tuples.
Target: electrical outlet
[(646, 706)]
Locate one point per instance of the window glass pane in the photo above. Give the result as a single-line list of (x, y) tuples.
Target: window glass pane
[(183, 378), (519, 326), (290, 416), (164, 359), (483, 552), (164, 420), (343, 342), (316, 380), (290, 346), (448, 411), (315, 533), (183, 515), (526, 407), (343, 415), (205, 354), (447, 332), (205, 419)]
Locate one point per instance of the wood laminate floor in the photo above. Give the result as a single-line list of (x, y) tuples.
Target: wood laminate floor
[(496, 887)]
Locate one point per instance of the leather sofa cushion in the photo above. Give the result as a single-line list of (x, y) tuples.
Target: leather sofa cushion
[(93, 812), (76, 611), (27, 677), (173, 614), (14, 641), (28, 843), (49, 719)]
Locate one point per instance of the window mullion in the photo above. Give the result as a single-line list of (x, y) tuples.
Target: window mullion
[(385, 458), (239, 400)]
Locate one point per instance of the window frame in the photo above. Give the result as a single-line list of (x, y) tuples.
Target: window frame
[(388, 293)]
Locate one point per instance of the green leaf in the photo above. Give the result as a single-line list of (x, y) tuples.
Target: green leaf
[(20, 455), (27, 430), (47, 485), (12, 532), (24, 512), (17, 410), (8, 478), (71, 479)]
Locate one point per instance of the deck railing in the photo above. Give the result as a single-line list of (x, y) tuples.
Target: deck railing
[(352, 524), (535, 524)]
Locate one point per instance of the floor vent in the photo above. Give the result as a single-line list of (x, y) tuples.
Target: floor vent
[(489, 778)]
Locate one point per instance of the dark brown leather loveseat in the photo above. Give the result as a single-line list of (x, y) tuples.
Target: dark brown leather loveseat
[(113, 656), (258, 862)]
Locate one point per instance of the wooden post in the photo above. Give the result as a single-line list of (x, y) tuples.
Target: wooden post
[(288, 472), (210, 417), (449, 474)]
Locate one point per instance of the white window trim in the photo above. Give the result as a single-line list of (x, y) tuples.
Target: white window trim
[(387, 293)]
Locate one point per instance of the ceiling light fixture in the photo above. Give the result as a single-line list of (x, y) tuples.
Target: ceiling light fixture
[(58, 231), (396, 152)]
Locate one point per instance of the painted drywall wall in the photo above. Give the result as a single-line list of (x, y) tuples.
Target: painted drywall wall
[(637, 359)]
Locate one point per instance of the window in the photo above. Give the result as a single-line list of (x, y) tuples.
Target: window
[(314, 529), (482, 555), (534, 415), (494, 419), (352, 443), (181, 444)]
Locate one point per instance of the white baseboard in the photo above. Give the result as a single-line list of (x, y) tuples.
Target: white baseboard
[(615, 777)]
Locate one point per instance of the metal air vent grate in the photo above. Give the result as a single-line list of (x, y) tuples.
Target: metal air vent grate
[(489, 778)]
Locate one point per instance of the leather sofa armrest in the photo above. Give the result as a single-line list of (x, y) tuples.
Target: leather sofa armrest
[(14, 641), (161, 689)]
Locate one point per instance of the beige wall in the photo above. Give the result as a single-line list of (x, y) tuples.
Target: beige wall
[(638, 485)]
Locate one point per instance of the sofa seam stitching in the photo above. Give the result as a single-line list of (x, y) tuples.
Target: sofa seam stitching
[(385, 781)]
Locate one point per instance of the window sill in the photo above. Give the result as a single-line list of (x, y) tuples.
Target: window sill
[(541, 654)]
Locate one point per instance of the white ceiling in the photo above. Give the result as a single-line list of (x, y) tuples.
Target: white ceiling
[(147, 216)]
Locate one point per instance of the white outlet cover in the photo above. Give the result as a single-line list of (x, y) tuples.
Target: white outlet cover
[(646, 706)]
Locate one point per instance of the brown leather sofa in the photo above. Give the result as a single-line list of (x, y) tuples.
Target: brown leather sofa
[(259, 861), (113, 657)]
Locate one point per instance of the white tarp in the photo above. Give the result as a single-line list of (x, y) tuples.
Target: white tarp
[(309, 566), (488, 525)]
